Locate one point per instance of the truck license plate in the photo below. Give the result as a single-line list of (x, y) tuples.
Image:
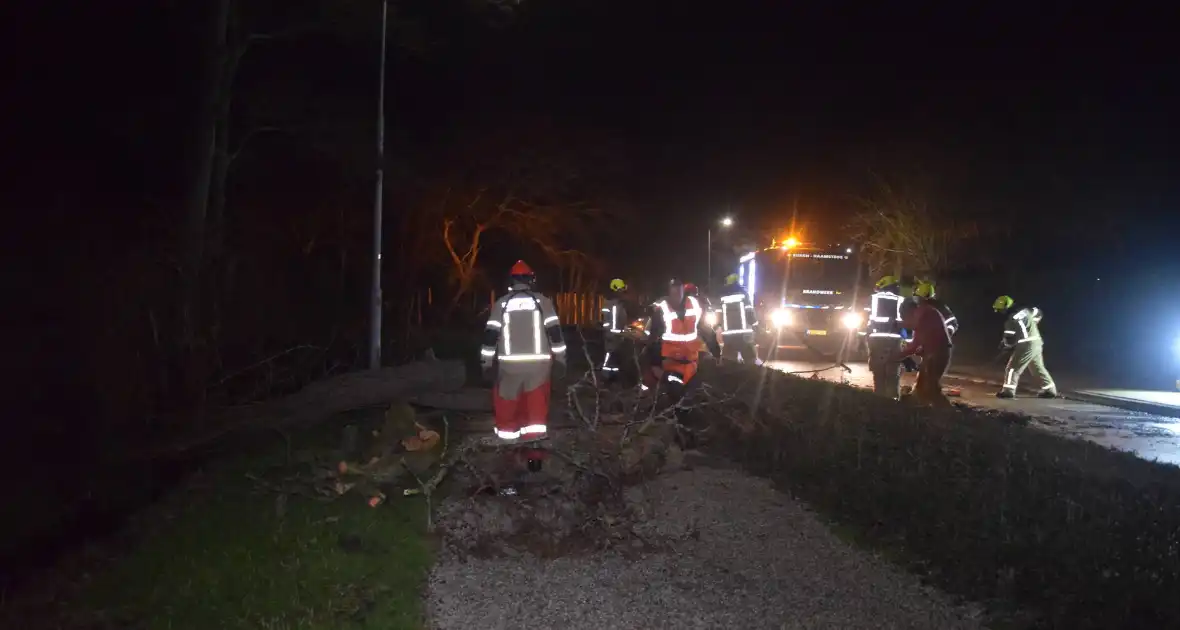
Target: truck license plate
[(818, 333)]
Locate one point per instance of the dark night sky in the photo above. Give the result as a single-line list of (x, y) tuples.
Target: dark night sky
[(1050, 115), (1041, 113)]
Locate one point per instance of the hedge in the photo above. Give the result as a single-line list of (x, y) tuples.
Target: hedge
[(991, 509)]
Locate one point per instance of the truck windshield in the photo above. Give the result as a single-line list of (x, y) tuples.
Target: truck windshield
[(804, 271), (813, 277)]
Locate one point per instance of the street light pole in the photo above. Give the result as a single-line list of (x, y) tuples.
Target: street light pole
[(709, 277), (375, 290), (725, 222)]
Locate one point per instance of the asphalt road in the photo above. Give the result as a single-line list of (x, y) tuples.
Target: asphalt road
[(1149, 436)]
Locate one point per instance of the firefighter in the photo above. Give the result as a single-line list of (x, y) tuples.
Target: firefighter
[(924, 292), (1022, 337), (677, 324), (708, 319), (614, 324), (932, 342), (737, 323), (523, 336), (884, 338)]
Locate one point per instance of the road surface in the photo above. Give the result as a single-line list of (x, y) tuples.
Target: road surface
[(1148, 435)]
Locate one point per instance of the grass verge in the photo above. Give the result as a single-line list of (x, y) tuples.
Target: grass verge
[(1079, 535), (220, 553)]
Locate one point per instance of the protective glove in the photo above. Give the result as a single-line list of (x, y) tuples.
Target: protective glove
[(909, 364), (559, 370)]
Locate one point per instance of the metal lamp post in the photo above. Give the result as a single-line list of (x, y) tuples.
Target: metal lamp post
[(725, 222), (375, 290)]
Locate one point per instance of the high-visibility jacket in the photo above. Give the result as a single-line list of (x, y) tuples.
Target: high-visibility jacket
[(952, 322), (931, 334), (737, 313), (614, 317), (523, 328), (676, 328), (1023, 326), (885, 315)]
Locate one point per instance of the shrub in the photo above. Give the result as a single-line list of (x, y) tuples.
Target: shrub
[(990, 508)]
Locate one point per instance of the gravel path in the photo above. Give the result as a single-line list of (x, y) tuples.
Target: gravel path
[(742, 556)]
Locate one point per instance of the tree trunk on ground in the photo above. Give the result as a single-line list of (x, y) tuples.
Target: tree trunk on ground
[(466, 399), (324, 399)]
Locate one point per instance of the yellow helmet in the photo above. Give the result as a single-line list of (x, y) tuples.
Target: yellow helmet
[(925, 289), (617, 285), (731, 279), (1002, 303), (887, 281)]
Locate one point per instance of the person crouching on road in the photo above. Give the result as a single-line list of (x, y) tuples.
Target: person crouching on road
[(932, 342), (523, 335)]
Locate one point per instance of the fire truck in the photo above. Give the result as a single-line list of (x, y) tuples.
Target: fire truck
[(807, 296)]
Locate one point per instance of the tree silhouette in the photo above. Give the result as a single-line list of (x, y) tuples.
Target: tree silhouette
[(900, 232)]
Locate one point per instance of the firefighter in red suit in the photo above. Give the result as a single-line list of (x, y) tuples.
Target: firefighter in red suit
[(523, 336), (677, 325), (932, 342)]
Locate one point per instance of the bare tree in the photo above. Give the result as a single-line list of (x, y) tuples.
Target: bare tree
[(466, 221), (521, 185), (900, 233)]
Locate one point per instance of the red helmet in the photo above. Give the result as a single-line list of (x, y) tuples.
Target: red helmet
[(521, 268), (690, 288)]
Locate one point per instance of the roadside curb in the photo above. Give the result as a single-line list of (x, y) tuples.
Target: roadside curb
[(1086, 397), (973, 379), (1129, 404)]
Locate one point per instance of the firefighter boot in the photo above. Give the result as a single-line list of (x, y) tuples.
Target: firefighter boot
[(1006, 393)]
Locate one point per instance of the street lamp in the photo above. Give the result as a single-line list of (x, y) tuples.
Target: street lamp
[(725, 223), (375, 289)]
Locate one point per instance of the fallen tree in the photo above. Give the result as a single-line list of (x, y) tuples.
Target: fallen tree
[(467, 399), (1050, 532), (323, 399), (989, 507)]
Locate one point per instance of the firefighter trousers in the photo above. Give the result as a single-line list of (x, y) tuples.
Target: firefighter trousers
[(886, 373), (1028, 355), (678, 377), (928, 388), (738, 347), (618, 353), (520, 398)]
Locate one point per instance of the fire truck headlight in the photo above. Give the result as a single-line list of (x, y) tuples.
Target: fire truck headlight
[(852, 321), (780, 318), (711, 318)]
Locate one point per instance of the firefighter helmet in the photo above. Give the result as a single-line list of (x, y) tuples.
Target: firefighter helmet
[(1002, 303), (731, 279), (925, 289), (690, 288), (521, 272), (521, 268), (618, 285), (886, 282)]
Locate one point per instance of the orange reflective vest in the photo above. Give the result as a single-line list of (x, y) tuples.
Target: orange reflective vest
[(680, 340)]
